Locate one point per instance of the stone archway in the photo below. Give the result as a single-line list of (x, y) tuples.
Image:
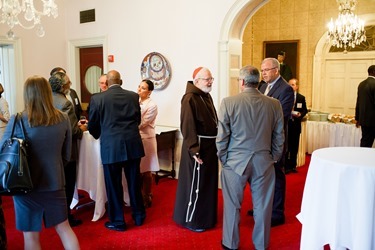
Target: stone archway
[(230, 44), (230, 49)]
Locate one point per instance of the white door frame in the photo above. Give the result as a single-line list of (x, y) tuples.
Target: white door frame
[(14, 88), (73, 57), (230, 43)]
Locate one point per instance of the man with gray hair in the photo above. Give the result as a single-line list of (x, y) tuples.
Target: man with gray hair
[(60, 84), (279, 89), (196, 197), (250, 139)]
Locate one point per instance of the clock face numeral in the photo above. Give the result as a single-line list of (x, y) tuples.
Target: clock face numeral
[(156, 68)]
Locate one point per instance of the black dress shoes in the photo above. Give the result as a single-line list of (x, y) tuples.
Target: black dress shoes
[(226, 248), (293, 170), (197, 230), (73, 222), (138, 220), (277, 222), (115, 226)]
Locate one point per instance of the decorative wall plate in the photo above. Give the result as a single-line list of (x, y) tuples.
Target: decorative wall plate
[(156, 68)]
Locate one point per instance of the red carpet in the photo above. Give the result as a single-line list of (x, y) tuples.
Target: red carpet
[(159, 230)]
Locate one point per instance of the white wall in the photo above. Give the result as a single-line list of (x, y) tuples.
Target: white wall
[(38, 55), (185, 32)]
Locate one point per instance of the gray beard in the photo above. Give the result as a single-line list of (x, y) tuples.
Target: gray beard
[(206, 89)]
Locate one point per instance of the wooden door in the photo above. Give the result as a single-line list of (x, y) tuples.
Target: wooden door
[(342, 77), (91, 67)]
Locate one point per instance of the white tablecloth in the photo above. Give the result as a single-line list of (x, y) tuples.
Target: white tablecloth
[(326, 134), (338, 205), (301, 156), (90, 175)]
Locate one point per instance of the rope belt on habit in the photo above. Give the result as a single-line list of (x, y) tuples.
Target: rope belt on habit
[(197, 167)]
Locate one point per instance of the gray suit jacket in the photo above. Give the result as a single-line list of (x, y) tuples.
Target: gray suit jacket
[(60, 102), (249, 123), (49, 149)]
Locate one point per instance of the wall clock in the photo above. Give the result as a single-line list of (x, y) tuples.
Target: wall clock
[(156, 68)]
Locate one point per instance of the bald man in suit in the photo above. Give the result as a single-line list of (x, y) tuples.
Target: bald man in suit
[(114, 117)]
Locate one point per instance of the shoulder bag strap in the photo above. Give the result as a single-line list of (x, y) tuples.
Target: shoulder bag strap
[(19, 115), (14, 125)]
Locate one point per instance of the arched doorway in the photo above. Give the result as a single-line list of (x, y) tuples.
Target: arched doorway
[(230, 44), (230, 60)]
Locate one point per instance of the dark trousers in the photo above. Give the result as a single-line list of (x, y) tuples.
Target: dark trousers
[(368, 136), (3, 236), (294, 131), (279, 196), (280, 181), (70, 171), (115, 192)]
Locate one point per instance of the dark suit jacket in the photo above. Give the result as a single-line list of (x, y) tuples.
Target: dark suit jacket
[(365, 107), (300, 106), (286, 72), (62, 103), (284, 93), (114, 117), (76, 103), (261, 83)]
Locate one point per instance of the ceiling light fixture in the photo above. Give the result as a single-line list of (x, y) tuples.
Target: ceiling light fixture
[(11, 14), (347, 30)]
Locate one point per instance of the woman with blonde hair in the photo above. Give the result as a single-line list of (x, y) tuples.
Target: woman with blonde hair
[(48, 132), (4, 112)]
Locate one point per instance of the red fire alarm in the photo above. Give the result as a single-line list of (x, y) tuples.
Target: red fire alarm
[(111, 58)]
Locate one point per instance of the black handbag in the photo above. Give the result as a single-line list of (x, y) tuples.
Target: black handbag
[(15, 176)]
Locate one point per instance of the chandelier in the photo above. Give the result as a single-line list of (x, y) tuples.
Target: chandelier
[(25, 14), (347, 30)]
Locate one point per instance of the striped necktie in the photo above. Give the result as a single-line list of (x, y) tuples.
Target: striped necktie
[(267, 89)]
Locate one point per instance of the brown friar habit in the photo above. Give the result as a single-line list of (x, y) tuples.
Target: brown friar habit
[(197, 185)]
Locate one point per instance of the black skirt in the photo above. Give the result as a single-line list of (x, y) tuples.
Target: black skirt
[(33, 208)]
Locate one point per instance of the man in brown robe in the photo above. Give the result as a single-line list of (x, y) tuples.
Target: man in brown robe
[(196, 198)]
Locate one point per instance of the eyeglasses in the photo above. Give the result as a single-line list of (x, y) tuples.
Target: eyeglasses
[(266, 70), (210, 79)]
